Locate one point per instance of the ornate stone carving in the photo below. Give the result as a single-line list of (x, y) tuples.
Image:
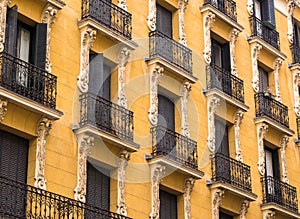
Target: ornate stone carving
[(123, 162), (277, 66), (3, 108), (217, 196), (268, 214), (283, 144), (188, 188), (157, 173), (250, 7), (182, 4), (297, 3), (151, 19), (244, 209), (262, 129), (291, 7), (296, 80), (122, 4), (255, 55), (123, 60), (3, 11), (213, 103), (209, 20), (185, 92), (85, 144), (88, 36), (43, 129), (48, 17), (156, 73), (238, 117), (233, 38)]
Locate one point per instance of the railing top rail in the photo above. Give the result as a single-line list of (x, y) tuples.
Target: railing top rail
[(262, 94)]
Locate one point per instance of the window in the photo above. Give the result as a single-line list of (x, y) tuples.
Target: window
[(220, 55), (272, 173), (296, 34), (264, 10), (164, 21), (166, 117), (221, 132), (263, 80), (168, 205), (225, 216)]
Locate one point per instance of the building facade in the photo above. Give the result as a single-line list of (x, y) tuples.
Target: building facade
[(171, 109)]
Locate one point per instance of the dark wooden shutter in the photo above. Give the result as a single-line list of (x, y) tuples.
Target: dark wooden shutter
[(221, 130), (224, 216), (166, 116), (276, 166), (226, 57), (296, 34), (164, 21), (268, 13), (11, 33), (40, 45), (263, 80), (95, 73), (168, 205)]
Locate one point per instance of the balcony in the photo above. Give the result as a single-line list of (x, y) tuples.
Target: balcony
[(296, 54), (228, 7), (23, 201)]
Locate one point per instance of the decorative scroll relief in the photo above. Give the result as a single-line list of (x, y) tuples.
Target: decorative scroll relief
[(277, 66), (296, 80), (85, 144), (268, 214), (250, 7), (233, 38), (122, 4), (217, 196), (213, 103), (188, 188), (157, 173), (123, 162), (185, 92), (182, 7), (88, 36), (3, 109), (156, 73), (209, 20), (262, 129), (151, 19), (238, 117), (3, 11), (43, 129), (291, 7), (123, 60), (244, 209), (283, 144), (48, 16), (255, 55)]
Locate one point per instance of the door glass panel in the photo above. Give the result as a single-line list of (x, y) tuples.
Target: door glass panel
[(257, 8), (23, 47), (269, 171)]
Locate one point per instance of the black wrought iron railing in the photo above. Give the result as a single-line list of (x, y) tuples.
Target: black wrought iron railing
[(167, 143), (106, 116), (228, 170), (264, 31), (266, 105), (20, 201), (109, 15), (28, 80), (296, 53), (223, 80), (166, 48), (228, 7), (283, 194)]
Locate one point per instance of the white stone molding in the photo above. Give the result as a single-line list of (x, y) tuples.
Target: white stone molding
[(238, 117), (262, 129), (48, 17), (3, 108), (122, 164), (268, 214), (157, 173), (244, 209), (297, 3), (88, 36), (156, 73), (217, 196), (123, 58), (43, 130), (296, 80), (122, 4), (188, 188), (151, 19), (234, 34), (209, 20), (182, 4), (291, 7), (283, 144), (85, 144), (212, 104), (3, 12), (185, 92), (255, 52), (277, 66), (250, 7)]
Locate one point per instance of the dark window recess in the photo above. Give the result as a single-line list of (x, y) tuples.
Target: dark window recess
[(264, 10), (272, 163), (263, 80), (166, 116), (225, 216), (296, 34), (220, 55), (164, 21), (221, 131), (168, 205)]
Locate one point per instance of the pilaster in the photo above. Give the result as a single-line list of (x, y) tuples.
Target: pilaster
[(238, 117), (185, 92), (212, 104), (277, 66), (262, 129), (188, 188), (123, 57), (232, 42), (3, 10), (255, 52), (182, 5), (283, 144), (217, 196), (209, 20)]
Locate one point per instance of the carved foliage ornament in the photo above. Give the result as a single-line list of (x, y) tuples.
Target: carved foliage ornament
[(277, 66), (213, 103), (250, 6), (188, 188), (3, 109), (291, 7), (233, 38), (182, 7), (255, 55), (209, 20), (123, 60), (296, 80), (283, 144), (185, 91), (238, 117), (122, 4), (244, 209), (217, 196), (151, 19), (3, 11), (268, 214), (262, 129)]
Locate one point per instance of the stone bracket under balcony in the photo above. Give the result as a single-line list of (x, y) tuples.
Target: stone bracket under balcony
[(274, 124), (278, 210), (58, 3)]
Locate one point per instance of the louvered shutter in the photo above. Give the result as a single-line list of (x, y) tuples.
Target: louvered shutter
[(166, 112), (168, 205), (296, 34), (164, 21), (40, 45), (11, 33), (95, 73), (276, 166), (221, 131), (263, 80), (268, 13), (226, 57)]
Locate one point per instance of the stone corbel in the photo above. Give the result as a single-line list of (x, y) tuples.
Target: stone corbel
[(43, 130), (122, 4), (277, 66), (123, 58), (233, 38), (151, 19), (238, 117), (244, 209), (291, 7), (296, 80), (3, 108), (182, 7), (157, 173), (217, 196), (213, 103), (122, 164), (188, 188), (48, 17), (156, 73), (88, 36), (85, 144), (3, 10), (255, 52), (185, 92), (262, 129), (268, 214), (250, 7), (208, 21), (283, 144)]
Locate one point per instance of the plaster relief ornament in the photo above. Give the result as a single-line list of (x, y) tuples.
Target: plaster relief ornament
[(188, 188), (244, 209), (250, 6), (185, 92), (283, 144), (217, 196), (296, 80), (151, 19), (268, 214), (233, 38), (213, 103), (255, 55), (182, 5), (262, 129), (3, 12), (3, 108), (238, 117), (122, 71), (291, 5), (277, 66), (122, 4), (209, 20)]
